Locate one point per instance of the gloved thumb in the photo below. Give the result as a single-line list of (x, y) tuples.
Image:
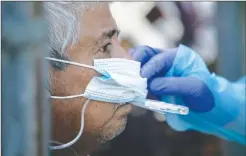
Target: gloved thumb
[(159, 64), (195, 94)]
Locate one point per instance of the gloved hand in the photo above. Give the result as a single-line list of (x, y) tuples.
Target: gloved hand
[(217, 106), (155, 65)]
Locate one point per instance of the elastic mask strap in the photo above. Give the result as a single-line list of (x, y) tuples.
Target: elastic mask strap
[(70, 62), (80, 131), (67, 97), (78, 64)]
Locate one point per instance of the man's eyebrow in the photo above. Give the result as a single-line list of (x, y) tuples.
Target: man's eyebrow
[(111, 33)]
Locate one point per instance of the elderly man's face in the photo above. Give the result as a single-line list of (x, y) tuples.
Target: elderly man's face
[(103, 121)]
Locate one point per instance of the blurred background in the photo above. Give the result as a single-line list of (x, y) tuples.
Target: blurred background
[(215, 30)]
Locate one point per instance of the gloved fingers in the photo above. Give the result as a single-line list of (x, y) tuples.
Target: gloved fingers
[(143, 53), (158, 65), (178, 86), (195, 94)]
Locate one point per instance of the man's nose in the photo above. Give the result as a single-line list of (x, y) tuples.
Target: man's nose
[(119, 52)]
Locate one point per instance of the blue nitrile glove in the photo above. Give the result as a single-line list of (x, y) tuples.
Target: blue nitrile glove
[(215, 103), (156, 63)]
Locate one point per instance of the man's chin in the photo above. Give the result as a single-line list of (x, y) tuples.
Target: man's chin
[(112, 129)]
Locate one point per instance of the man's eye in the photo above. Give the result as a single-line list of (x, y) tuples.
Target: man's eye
[(105, 48)]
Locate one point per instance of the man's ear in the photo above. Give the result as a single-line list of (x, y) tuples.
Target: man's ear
[(58, 55)]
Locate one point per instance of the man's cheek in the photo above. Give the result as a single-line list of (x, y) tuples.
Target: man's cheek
[(80, 77)]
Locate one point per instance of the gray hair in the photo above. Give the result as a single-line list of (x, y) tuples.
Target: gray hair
[(64, 24)]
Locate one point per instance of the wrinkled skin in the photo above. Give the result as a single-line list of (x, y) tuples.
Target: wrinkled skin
[(103, 121)]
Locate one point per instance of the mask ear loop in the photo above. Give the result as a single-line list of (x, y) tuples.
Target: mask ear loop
[(70, 62), (79, 134), (102, 72), (67, 97), (70, 148)]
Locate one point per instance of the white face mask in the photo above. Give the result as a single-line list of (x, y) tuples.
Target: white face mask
[(120, 82)]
